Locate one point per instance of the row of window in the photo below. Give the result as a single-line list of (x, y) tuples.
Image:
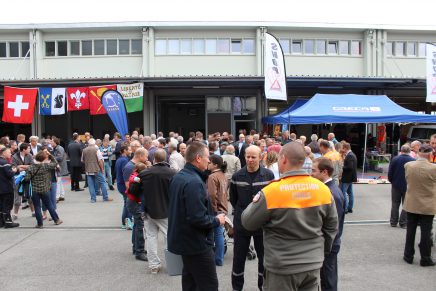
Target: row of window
[(97, 47), (207, 46), (321, 47), (14, 49), (406, 49)]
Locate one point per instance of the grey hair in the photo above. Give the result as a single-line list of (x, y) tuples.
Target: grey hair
[(314, 137)]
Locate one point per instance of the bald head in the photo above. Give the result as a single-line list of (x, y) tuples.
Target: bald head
[(230, 149), (253, 150), (293, 154), (252, 158)]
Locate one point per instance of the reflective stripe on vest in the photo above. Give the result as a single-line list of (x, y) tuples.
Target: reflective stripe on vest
[(296, 192)]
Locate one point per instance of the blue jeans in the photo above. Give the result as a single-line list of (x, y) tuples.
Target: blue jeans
[(45, 198), (138, 239), (349, 201), (97, 181), (125, 214), (219, 245), (52, 195), (107, 173)]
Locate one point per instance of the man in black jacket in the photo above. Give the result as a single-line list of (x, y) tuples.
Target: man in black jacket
[(397, 177), (75, 153), (155, 182), (244, 185), (7, 172), (322, 169), (349, 175), (191, 221)]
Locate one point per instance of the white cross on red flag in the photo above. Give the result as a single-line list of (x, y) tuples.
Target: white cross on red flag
[(19, 105)]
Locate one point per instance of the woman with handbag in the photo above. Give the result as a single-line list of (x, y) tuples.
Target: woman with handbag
[(40, 175)]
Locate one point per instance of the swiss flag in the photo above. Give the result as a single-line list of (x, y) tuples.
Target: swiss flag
[(78, 98), (19, 105), (95, 93)]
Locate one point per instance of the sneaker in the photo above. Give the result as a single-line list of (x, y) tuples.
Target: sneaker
[(39, 226), (25, 206), (111, 188), (93, 201), (154, 270), (59, 221), (33, 214), (129, 224), (123, 226), (61, 198), (108, 199)]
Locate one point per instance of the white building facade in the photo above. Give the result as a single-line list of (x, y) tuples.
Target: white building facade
[(208, 76)]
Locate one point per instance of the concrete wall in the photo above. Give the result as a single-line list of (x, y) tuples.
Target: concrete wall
[(205, 65), (373, 62), (98, 66), (18, 68)]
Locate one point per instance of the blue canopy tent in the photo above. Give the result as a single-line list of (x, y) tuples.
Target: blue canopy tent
[(283, 117), (350, 108)]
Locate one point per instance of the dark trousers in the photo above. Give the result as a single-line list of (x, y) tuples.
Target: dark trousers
[(241, 246), (329, 273), (397, 200), (138, 239), (76, 175), (425, 222), (6, 202), (199, 272), (45, 198)]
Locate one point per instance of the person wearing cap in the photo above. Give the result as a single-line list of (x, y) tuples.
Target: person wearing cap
[(420, 204)]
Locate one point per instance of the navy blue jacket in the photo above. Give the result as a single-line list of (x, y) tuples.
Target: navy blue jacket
[(6, 175), (190, 216), (242, 191), (396, 174), (340, 206)]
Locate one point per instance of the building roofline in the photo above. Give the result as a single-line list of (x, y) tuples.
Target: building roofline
[(214, 24)]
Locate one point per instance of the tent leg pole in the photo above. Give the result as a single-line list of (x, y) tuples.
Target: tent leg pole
[(364, 150)]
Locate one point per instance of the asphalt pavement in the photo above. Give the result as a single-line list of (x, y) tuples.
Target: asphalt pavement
[(90, 251)]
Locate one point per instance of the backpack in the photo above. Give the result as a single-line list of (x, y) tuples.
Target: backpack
[(135, 188)]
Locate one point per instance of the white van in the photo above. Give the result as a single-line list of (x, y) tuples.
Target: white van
[(421, 132)]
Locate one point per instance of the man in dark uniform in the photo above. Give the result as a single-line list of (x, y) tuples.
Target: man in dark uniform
[(244, 185), (75, 153), (322, 169)]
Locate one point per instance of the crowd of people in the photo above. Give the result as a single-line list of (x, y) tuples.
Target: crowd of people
[(181, 187)]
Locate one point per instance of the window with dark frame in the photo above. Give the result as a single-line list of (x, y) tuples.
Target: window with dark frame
[(50, 48), (62, 48)]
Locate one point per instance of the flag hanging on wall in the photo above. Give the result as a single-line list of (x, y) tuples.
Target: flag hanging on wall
[(19, 105), (113, 102), (431, 72), (95, 93), (77, 98), (274, 70), (133, 95), (51, 101)]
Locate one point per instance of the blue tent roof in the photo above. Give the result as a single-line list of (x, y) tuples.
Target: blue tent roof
[(283, 117), (350, 108)]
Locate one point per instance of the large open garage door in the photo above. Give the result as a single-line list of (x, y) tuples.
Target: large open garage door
[(180, 114)]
